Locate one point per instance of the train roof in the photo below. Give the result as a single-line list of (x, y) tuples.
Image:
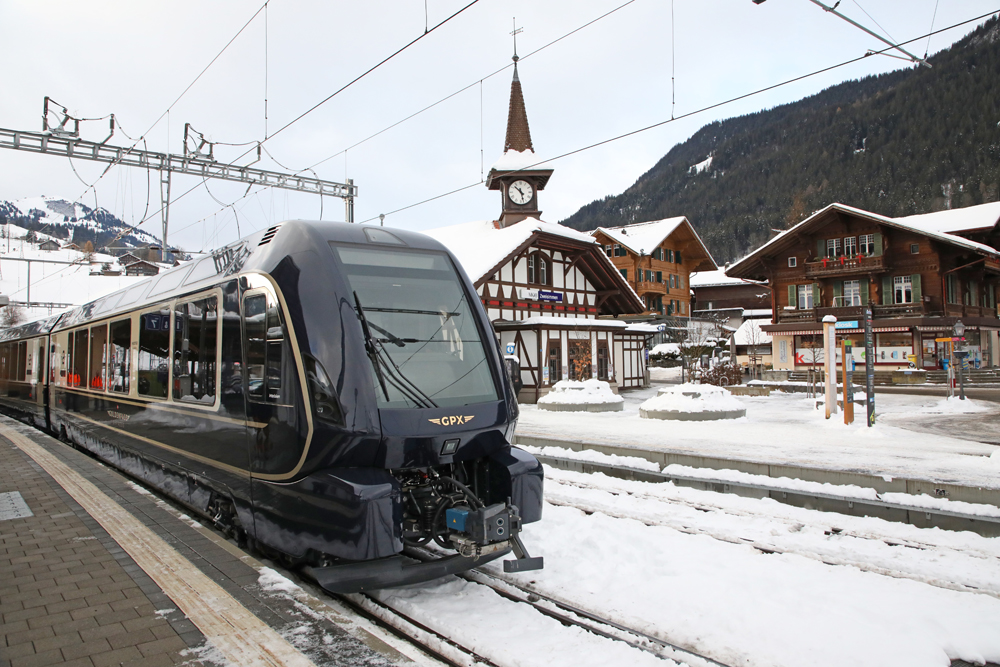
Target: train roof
[(260, 251)]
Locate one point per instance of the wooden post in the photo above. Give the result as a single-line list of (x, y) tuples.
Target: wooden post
[(848, 405)]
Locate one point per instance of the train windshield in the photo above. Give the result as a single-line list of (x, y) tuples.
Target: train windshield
[(422, 338)]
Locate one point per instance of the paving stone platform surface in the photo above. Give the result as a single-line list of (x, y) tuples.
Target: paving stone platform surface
[(71, 595)]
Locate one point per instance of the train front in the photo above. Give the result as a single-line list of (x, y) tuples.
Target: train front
[(446, 413)]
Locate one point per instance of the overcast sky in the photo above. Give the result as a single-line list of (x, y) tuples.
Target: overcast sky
[(134, 59)]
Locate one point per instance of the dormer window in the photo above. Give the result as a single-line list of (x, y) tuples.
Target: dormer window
[(539, 269)]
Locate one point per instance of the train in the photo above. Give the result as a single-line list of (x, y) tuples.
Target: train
[(330, 394)]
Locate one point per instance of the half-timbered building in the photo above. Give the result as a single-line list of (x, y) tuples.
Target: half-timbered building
[(918, 279), (544, 285)]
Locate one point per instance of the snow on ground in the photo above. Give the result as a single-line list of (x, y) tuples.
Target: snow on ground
[(713, 593), (690, 397), (788, 429), (665, 374), (588, 392)]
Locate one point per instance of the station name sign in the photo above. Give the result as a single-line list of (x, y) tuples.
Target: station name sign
[(539, 295)]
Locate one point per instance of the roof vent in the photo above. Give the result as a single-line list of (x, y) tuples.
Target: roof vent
[(268, 235)]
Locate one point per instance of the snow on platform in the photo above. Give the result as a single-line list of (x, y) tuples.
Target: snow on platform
[(787, 429)]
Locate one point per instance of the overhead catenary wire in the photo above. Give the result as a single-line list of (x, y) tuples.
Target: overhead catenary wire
[(695, 112), (474, 83)]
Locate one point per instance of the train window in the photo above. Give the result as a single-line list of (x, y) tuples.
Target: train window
[(133, 293), (5, 364), (78, 364), (119, 356), (154, 353), (169, 280), (266, 355), (98, 357), (22, 360), (427, 346), (205, 268), (196, 346)]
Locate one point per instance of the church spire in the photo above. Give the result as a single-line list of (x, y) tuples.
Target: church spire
[(518, 134)]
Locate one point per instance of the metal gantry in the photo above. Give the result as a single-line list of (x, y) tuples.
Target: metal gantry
[(70, 145)]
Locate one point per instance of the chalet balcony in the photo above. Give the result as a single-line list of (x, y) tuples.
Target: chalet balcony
[(843, 266), (651, 288), (879, 312)]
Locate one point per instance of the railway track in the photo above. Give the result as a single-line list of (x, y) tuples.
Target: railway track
[(655, 515), (988, 526)]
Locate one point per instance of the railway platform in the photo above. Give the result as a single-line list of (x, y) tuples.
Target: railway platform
[(96, 571)]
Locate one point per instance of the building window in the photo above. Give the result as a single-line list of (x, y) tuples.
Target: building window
[(638, 275), (680, 281), (805, 297), (670, 256), (677, 257), (792, 262), (539, 272), (867, 242), (555, 363), (619, 250), (902, 289), (852, 292), (951, 288), (602, 360), (914, 248), (608, 250), (834, 248), (659, 276), (850, 246), (649, 276), (624, 273)]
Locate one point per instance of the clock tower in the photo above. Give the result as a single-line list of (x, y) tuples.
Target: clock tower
[(515, 174)]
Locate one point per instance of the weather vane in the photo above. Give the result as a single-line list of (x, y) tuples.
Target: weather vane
[(515, 33)]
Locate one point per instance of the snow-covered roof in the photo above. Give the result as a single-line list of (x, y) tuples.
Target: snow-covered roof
[(922, 227), (480, 245), (643, 237), (552, 320), (717, 278), (970, 218), (750, 329), (514, 160)]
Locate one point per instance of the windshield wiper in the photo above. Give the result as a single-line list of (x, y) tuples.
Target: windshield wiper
[(415, 311), (404, 384), (391, 337), (370, 345)]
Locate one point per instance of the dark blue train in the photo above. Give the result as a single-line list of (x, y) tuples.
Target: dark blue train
[(331, 393)]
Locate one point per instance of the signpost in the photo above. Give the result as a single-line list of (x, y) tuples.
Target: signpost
[(847, 363), (830, 366), (870, 366)]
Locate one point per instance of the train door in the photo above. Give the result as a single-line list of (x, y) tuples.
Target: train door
[(276, 429)]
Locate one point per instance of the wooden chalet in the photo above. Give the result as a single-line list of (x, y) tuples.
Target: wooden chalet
[(141, 268), (48, 245), (919, 280), (543, 284), (657, 259)]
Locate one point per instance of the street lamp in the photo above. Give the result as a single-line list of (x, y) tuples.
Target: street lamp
[(959, 330)]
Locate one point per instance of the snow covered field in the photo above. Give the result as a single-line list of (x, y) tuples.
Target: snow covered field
[(788, 429)]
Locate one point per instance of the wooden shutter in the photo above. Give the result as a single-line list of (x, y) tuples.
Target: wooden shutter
[(791, 296), (915, 285), (877, 237), (863, 285), (886, 290), (820, 248), (838, 291), (815, 295)]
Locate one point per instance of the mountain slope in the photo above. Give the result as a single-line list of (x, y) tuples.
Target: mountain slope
[(906, 142), (73, 222)]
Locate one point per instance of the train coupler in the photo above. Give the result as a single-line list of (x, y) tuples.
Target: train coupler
[(490, 529)]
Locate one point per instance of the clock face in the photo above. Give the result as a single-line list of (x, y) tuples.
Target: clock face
[(520, 192)]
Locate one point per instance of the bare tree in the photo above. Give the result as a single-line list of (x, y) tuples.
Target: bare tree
[(814, 357), (11, 316), (754, 337)]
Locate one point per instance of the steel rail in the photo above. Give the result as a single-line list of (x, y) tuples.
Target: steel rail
[(978, 523), (407, 628)]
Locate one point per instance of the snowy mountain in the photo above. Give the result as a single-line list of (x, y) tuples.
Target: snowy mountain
[(68, 221)]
